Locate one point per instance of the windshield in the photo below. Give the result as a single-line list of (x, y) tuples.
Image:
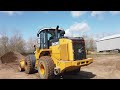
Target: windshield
[(51, 34)]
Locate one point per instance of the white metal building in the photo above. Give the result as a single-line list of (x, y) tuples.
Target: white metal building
[(108, 43)]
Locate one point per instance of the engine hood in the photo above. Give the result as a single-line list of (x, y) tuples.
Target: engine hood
[(75, 38)]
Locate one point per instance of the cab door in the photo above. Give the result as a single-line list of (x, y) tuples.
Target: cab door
[(43, 40)]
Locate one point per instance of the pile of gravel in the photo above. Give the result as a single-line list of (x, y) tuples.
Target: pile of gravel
[(11, 57)]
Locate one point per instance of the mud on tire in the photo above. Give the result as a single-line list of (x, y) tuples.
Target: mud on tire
[(46, 67)]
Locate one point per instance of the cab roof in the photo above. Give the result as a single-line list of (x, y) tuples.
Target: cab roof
[(43, 29)]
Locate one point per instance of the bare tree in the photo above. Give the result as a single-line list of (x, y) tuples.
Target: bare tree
[(90, 43), (4, 45), (13, 43), (30, 44), (17, 43)]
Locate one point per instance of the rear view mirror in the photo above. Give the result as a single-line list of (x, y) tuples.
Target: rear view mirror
[(37, 35), (34, 46)]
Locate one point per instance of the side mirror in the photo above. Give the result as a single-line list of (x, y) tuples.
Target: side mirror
[(34, 46), (37, 35)]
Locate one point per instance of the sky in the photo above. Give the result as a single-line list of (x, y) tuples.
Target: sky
[(94, 23)]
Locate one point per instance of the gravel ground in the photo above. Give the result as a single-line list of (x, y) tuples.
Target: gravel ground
[(103, 67)]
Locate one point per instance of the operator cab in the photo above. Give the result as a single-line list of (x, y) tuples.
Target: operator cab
[(49, 35)]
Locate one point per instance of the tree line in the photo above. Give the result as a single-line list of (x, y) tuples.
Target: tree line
[(17, 43)]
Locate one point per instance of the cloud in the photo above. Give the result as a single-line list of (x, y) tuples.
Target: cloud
[(76, 29), (44, 11), (77, 13), (115, 12), (11, 12), (97, 13), (80, 13)]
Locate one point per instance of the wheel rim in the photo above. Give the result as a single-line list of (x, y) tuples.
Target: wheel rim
[(42, 69)]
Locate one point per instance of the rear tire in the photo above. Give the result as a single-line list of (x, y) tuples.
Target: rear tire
[(30, 64), (46, 67)]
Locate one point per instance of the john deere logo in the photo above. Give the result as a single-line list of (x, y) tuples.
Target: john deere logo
[(80, 50)]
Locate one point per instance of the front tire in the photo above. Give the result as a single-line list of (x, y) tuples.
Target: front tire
[(46, 67)]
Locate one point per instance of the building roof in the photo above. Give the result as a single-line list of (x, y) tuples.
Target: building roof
[(109, 37)]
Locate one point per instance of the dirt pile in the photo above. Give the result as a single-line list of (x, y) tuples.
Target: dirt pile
[(11, 57)]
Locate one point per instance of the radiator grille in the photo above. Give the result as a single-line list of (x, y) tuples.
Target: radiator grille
[(79, 50)]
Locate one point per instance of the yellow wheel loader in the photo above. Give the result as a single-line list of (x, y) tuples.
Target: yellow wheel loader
[(56, 54)]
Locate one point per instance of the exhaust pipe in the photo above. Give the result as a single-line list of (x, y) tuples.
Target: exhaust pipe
[(56, 31)]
